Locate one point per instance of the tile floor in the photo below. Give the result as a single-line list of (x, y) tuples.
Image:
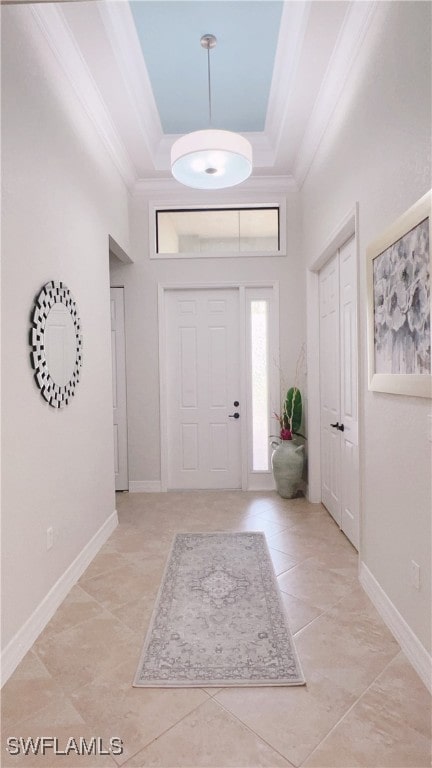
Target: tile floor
[(363, 704)]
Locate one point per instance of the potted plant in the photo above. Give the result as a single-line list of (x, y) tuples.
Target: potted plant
[(288, 454)]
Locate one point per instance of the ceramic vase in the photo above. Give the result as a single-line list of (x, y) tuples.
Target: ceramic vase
[(287, 463)]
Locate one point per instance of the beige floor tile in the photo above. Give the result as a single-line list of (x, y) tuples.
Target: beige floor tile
[(138, 715), (299, 612), (74, 742), (318, 586), (151, 566), (30, 667), (104, 562), (208, 737), (294, 720), (291, 511), (337, 561), (77, 655), (295, 544), (137, 614), (30, 689), (281, 561), (389, 727), (142, 540), (258, 523), (348, 644), (77, 606), (399, 690), (361, 745), (59, 721), (214, 520), (121, 585), (363, 704)]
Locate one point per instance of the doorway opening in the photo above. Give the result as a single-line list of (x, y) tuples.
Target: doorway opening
[(333, 391), (219, 383)]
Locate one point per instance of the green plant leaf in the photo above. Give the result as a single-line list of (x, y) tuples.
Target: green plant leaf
[(293, 409)]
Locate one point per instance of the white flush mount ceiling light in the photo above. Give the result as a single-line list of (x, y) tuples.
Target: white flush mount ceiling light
[(211, 159)]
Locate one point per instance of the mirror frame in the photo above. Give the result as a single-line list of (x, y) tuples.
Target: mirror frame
[(52, 293)]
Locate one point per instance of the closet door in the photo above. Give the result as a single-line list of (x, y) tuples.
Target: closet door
[(339, 389), (349, 447), (330, 387)]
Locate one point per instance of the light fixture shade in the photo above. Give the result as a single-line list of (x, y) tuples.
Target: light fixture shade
[(211, 159)]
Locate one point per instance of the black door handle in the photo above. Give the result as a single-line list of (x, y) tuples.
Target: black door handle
[(338, 426), (234, 415)]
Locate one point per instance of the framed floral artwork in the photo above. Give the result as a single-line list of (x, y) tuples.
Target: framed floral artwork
[(399, 305)]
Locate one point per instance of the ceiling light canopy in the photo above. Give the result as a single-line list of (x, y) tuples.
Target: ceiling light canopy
[(211, 159)]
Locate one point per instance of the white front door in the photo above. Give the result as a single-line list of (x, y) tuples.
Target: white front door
[(119, 389), (339, 395), (203, 383)]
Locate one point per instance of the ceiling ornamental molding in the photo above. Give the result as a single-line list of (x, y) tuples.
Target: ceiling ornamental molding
[(351, 38), (123, 37), (121, 32), (133, 135), (250, 191), (292, 30), (51, 22)]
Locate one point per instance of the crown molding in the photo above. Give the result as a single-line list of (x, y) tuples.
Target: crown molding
[(249, 189), (51, 22), (123, 37), (292, 30), (351, 38)]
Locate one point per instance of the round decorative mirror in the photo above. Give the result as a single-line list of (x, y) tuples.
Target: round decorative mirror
[(56, 342)]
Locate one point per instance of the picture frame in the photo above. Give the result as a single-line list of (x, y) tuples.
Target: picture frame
[(399, 304)]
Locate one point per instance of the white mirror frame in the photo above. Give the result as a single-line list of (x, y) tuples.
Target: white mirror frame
[(53, 292)]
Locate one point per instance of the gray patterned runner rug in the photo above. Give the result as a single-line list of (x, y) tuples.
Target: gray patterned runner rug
[(218, 619)]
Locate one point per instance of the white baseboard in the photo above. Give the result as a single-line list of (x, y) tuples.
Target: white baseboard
[(145, 486), (23, 640), (408, 641)]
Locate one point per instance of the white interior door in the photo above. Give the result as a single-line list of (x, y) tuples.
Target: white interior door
[(339, 389), (118, 352), (330, 387), (349, 457), (203, 383)]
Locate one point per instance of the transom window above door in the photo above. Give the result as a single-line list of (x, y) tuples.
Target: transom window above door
[(256, 230)]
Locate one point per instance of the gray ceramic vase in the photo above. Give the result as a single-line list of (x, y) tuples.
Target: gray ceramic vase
[(287, 463)]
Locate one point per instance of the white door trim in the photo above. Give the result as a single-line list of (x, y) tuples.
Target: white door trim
[(121, 447), (347, 228), (241, 286)]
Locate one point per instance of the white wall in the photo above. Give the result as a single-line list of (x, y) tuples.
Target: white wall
[(62, 198), (141, 282), (377, 152)]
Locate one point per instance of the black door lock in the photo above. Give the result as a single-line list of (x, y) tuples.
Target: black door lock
[(338, 426)]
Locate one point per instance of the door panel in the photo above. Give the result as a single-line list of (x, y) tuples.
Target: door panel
[(349, 394), (330, 389), (119, 389), (203, 380), (339, 389)]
